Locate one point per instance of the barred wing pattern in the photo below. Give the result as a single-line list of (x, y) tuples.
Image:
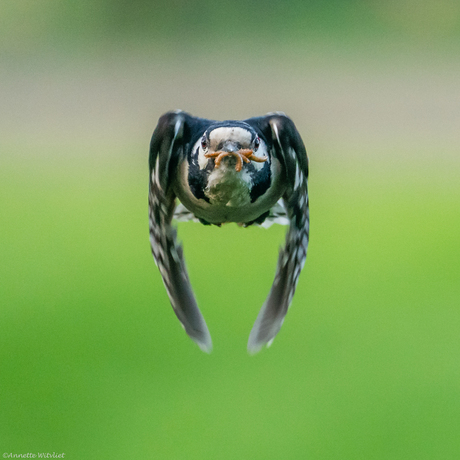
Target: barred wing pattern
[(290, 150), (165, 149)]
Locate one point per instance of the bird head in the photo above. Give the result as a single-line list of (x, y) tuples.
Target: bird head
[(235, 144)]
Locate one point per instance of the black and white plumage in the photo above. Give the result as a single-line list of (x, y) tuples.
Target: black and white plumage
[(253, 171)]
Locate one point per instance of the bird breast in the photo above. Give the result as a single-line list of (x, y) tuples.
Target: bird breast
[(227, 187)]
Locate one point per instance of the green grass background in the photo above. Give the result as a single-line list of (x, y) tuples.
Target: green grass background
[(93, 360), (95, 364)]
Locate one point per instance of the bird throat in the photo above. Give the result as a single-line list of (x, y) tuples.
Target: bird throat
[(228, 187)]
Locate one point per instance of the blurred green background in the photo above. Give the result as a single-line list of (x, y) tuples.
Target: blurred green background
[(94, 363)]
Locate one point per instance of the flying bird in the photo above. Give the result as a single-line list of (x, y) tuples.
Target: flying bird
[(251, 172)]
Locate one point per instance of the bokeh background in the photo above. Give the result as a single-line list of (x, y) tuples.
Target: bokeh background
[(94, 363)]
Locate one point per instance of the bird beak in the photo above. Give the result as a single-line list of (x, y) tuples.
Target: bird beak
[(231, 149)]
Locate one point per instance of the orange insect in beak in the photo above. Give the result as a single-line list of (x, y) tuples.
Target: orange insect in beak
[(246, 155)]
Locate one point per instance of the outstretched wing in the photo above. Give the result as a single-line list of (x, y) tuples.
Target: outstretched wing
[(280, 132), (170, 141)]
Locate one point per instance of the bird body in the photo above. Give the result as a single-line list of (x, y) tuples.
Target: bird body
[(248, 172), (223, 194)]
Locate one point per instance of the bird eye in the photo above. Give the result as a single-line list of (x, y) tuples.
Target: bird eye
[(256, 143), (204, 144)]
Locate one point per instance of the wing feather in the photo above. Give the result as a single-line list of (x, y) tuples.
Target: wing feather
[(290, 150), (167, 143)]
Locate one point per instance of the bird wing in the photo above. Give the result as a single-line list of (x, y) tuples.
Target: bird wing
[(182, 214), (281, 134), (170, 140), (278, 215)]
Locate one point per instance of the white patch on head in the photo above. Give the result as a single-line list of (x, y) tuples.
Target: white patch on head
[(202, 160), (261, 152), (230, 133)]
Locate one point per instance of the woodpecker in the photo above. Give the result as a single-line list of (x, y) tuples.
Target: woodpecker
[(251, 172)]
